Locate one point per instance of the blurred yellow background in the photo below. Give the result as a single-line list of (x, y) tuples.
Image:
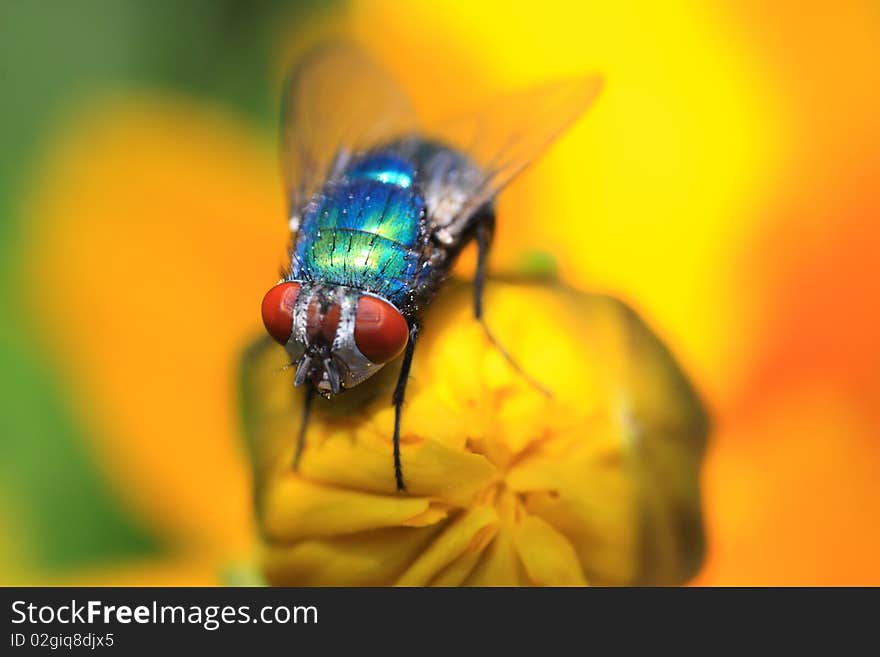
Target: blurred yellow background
[(725, 185)]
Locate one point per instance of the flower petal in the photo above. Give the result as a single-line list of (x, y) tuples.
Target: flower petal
[(580, 485), (295, 508), (457, 572), (468, 534), (500, 565), (374, 558), (547, 555)]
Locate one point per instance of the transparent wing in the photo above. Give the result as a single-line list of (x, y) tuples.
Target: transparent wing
[(337, 101), (502, 140)]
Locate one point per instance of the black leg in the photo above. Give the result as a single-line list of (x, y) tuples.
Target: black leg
[(484, 239), (301, 438), (485, 226), (397, 400)]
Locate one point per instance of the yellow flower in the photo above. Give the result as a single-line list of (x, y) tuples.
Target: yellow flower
[(597, 484)]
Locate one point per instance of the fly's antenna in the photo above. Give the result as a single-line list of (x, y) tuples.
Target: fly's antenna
[(301, 438)]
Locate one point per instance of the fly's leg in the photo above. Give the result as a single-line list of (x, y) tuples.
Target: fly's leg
[(484, 227), (304, 423), (397, 401)]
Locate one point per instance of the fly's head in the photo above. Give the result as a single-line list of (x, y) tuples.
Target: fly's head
[(337, 336)]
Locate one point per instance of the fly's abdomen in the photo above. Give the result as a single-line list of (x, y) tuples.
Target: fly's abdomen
[(364, 231)]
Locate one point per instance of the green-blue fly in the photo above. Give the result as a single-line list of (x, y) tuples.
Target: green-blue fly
[(381, 206)]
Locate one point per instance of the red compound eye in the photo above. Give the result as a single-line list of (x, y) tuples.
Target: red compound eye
[(380, 331), (278, 310)]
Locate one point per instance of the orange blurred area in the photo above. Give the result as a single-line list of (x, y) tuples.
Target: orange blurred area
[(792, 482), (791, 493), (161, 262), (725, 185)]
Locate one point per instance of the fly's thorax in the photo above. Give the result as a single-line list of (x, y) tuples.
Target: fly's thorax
[(337, 336)]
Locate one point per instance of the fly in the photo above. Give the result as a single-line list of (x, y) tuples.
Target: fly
[(381, 207)]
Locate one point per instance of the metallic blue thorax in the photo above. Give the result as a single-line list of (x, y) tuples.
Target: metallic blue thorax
[(363, 231)]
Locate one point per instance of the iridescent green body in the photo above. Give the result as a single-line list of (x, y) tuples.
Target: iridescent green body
[(365, 230)]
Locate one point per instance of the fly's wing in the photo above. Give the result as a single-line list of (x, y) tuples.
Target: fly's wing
[(337, 102), (497, 144)]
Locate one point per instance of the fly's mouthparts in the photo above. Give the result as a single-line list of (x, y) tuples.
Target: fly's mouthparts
[(330, 376), (303, 370)]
